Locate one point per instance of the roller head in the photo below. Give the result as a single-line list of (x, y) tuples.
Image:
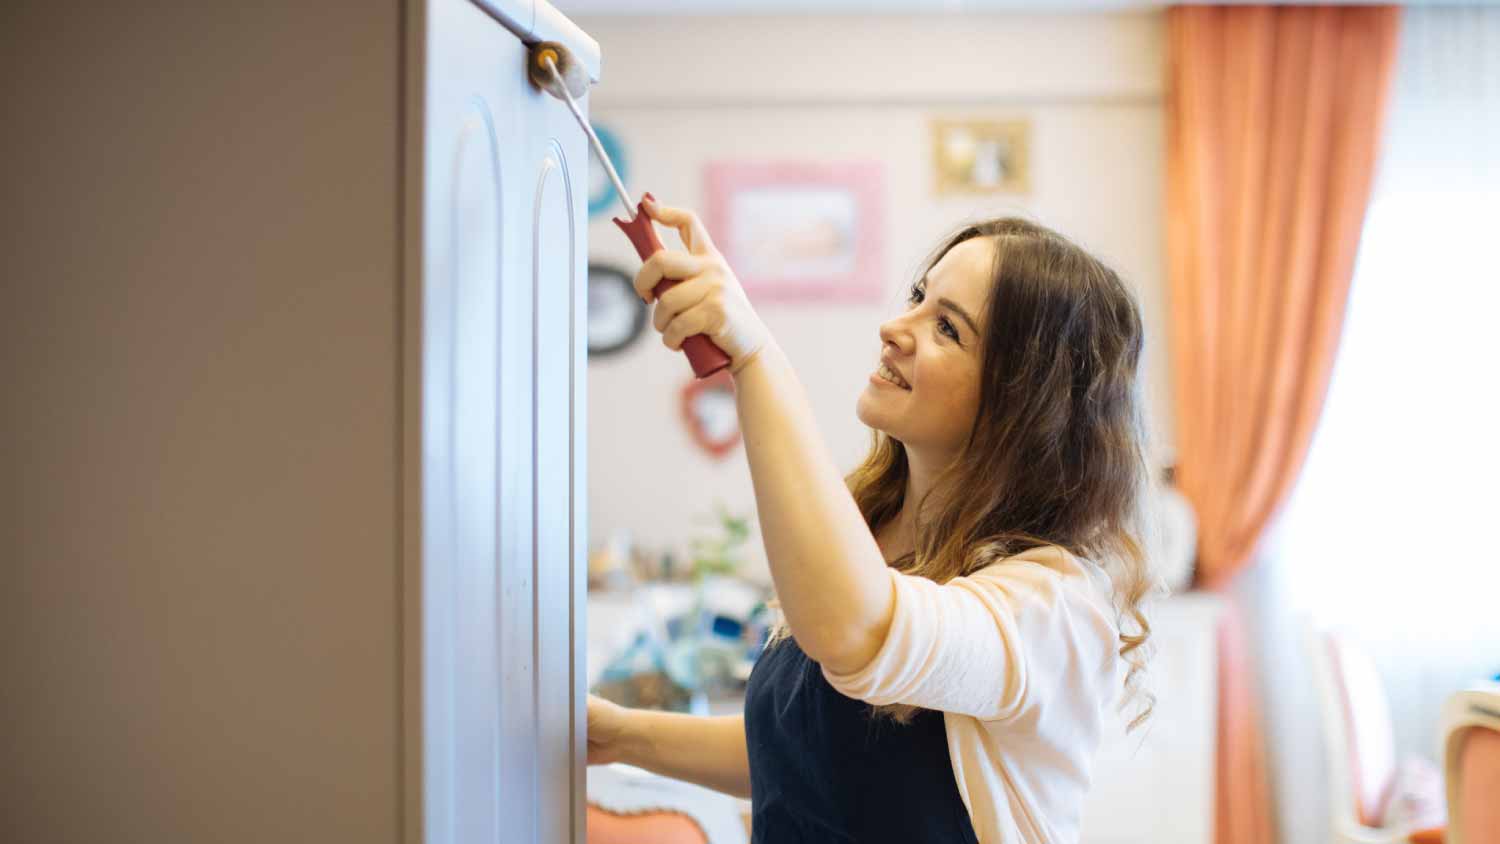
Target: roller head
[(573, 74)]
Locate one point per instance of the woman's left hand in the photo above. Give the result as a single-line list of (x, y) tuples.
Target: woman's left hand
[(709, 299)]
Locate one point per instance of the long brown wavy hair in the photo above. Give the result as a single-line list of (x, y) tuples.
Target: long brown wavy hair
[(1056, 455)]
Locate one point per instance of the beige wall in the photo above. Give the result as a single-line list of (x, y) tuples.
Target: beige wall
[(687, 91), (198, 345)]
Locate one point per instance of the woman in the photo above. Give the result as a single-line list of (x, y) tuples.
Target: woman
[(955, 610)]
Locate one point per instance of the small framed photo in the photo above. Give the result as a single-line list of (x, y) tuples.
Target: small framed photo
[(981, 156), (800, 231), (710, 412)]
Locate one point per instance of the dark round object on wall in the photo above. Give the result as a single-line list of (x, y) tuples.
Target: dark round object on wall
[(616, 314)]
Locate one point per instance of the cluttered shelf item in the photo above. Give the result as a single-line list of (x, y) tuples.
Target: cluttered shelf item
[(672, 633)]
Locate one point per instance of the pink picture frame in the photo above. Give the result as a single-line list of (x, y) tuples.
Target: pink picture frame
[(800, 232)]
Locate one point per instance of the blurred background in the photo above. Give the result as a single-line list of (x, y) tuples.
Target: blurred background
[(341, 460), (1300, 198)]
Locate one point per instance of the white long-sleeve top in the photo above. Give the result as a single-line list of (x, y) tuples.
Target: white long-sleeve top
[(1022, 659)]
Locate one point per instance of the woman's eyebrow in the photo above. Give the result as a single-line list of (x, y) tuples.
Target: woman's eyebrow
[(963, 314)]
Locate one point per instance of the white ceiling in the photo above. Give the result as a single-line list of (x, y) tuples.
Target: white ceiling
[(894, 7), (863, 7)]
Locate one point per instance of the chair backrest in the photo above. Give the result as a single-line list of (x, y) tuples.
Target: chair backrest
[(606, 827), (1471, 765), (1357, 724)]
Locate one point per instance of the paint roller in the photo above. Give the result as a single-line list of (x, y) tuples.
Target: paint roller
[(553, 69)]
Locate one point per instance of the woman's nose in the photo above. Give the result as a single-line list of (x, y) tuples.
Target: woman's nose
[(894, 333)]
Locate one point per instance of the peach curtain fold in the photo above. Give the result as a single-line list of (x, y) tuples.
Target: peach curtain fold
[(1274, 117)]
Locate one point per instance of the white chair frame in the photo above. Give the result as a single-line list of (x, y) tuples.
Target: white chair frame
[(1346, 827), (1478, 707)]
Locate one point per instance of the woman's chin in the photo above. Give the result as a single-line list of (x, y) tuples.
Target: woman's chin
[(867, 411)]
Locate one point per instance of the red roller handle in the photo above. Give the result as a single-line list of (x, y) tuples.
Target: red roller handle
[(705, 357)]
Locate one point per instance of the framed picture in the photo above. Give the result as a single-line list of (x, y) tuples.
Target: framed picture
[(800, 231), (710, 413), (981, 156)]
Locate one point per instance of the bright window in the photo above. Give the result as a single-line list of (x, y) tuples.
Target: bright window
[(1395, 521)]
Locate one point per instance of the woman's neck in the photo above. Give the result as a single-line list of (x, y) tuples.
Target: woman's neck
[(895, 538), (898, 536)]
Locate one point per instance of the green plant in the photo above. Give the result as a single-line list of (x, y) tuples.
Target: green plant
[(694, 659), (721, 553)]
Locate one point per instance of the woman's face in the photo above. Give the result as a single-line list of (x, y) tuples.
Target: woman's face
[(933, 346)]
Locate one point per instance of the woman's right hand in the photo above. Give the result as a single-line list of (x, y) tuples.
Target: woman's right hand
[(708, 301), (606, 731)]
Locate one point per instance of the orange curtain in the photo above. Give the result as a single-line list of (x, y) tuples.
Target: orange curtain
[(1273, 125)]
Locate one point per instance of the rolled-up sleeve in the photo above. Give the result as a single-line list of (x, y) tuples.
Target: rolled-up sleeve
[(982, 645)]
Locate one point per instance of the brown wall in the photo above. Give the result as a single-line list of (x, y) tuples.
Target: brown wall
[(199, 344)]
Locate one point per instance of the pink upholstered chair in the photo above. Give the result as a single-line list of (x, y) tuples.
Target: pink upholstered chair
[(1471, 765), (627, 805), (644, 828), (1373, 799)]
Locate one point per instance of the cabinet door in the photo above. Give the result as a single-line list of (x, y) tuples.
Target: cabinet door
[(558, 190), (503, 198)]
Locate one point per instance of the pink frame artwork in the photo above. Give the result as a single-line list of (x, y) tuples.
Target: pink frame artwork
[(800, 232)]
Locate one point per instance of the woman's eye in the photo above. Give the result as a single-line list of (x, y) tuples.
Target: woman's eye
[(945, 325)]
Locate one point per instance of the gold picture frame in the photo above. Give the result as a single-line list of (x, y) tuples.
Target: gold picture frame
[(981, 156)]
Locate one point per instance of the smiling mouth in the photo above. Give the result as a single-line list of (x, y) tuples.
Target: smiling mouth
[(888, 374)]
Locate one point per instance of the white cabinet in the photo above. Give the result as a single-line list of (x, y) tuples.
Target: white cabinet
[(293, 317), (1157, 784), (502, 243)]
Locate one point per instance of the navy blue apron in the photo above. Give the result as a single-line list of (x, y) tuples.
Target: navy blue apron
[(825, 770)]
